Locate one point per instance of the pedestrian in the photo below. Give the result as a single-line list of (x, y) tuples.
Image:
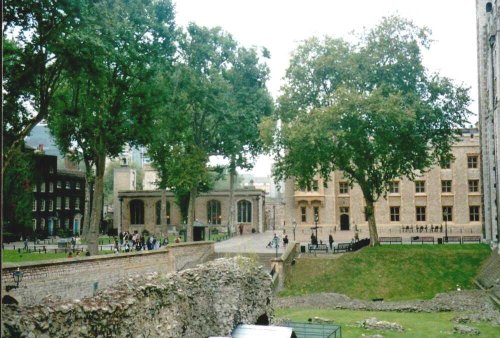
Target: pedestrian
[(285, 241), (177, 240), (330, 240), (26, 243)]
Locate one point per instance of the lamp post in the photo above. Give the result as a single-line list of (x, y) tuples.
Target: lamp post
[(17, 276), (316, 225), (121, 217), (275, 240), (294, 228)]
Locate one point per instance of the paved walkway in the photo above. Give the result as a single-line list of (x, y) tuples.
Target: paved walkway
[(255, 243)]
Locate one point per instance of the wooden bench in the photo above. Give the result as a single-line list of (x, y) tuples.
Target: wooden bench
[(318, 247), (471, 239), (453, 239), (342, 247), (390, 240), (422, 240)]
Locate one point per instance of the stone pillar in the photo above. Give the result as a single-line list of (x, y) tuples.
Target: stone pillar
[(123, 179), (260, 201)]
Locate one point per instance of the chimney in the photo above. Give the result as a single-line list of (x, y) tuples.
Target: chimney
[(40, 148)]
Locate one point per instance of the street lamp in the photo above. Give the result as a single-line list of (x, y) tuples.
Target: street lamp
[(294, 227), (446, 214), (17, 276), (316, 219), (121, 216), (275, 240)]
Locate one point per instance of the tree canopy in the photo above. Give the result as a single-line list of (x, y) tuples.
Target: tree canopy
[(369, 109), (214, 101), (108, 93)]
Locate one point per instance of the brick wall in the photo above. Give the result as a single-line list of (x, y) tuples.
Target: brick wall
[(75, 278)]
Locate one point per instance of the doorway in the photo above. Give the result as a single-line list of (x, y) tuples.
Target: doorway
[(344, 222)]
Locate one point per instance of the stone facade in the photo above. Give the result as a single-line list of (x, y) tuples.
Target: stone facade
[(342, 207), (488, 23), (75, 278), (209, 300), (158, 212)]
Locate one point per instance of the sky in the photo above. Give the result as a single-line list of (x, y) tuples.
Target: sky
[(280, 26)]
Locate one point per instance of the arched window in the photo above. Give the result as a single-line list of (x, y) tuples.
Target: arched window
[(136, 212), (158, 213), (244, 211), (213, 212)]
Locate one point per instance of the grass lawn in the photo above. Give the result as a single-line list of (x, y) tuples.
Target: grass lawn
[(392, 272), (12, 256), (421, 325)]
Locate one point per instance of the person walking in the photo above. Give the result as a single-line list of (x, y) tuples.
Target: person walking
[(330, 240), (285, 241)]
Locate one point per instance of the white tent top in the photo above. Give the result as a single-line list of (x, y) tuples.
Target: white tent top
[(252, 331)]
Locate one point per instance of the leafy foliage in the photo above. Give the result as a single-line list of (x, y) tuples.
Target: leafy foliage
[(17, 194), (369, 109)]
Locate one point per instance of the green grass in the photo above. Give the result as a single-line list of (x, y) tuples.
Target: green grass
[(12, 256), (392, 272), (416, 325)]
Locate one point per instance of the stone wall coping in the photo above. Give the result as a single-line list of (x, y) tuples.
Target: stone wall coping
[(8, 267), (292, 246)]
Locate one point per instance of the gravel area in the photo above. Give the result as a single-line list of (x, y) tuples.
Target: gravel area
[(473, 305)]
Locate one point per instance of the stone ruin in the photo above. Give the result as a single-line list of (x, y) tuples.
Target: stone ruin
[(209, 300)]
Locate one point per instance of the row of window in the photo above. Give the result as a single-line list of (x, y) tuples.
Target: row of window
[(420, 213), (57, 223), (50, 186), (472, 163), (419, 187), (49, 204), (214, 215)]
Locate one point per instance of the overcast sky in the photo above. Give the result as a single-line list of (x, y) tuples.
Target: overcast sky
[(280, 25)]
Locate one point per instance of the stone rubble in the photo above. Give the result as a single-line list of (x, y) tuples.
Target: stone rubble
[(465, 330), (476, 305), (375, 324), (210, 299)]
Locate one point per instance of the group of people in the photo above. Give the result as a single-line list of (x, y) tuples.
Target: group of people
[(314, 240), (137, 242), (275, 242)]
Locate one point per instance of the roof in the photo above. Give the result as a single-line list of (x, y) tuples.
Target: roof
[(252, 331), (67, 172)]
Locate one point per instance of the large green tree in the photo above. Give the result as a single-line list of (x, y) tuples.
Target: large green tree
[(369, 109), (109, 85), (34, 43), (213, 104)]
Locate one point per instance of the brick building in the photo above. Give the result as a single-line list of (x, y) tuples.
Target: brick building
[(441, 197), (58, 198)]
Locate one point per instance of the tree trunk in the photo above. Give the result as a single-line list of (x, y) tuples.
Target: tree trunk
[(191, 214), (232, 173), (88, 208), (96, 215), (372, 226)]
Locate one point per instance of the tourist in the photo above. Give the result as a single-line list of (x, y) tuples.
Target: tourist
[(87, 253), (26, 243), (178, 239), (330, 240), (285, 241), (70, 255)]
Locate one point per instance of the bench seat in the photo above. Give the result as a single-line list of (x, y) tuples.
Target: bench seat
[(342, 247), (318, 247), (390, 240)]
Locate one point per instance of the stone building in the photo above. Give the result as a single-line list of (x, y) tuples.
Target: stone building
[(448, 197), (158, 212), (488, 23)]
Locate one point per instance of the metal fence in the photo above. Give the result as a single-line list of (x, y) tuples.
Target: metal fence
[(315, 330)]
